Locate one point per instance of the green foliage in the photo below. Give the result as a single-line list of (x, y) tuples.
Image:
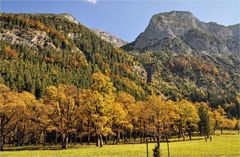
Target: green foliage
[(192, 77), (206, 122), (77, 53)]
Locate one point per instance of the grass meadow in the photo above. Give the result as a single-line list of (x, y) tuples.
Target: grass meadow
[(221, 146)]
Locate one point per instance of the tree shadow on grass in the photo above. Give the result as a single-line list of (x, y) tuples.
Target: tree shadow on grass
[(58, 147), (22, 148)]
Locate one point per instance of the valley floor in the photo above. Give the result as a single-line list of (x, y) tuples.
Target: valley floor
[(221, 145)]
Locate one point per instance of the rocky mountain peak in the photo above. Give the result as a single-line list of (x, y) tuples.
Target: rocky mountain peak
[(167, 25), (181, 31), (173, 16)]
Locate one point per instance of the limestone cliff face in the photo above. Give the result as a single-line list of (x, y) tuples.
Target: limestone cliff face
[(110, 38), (180, 31)]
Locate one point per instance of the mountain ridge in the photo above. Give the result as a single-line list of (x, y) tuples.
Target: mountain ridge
[(110, 38), (189, 30), (102, 34)]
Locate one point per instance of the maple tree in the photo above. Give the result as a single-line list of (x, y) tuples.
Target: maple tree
[(120, 122), (62, 110), (12, 109), (189, 118)]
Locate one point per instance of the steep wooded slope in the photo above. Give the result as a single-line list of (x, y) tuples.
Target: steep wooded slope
[(38, 50)]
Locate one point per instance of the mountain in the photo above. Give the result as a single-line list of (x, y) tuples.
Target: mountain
[(180, 31), (110, 38), (185, 57), (38, 50)]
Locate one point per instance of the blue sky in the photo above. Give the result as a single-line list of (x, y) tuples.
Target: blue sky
[(127, 18)]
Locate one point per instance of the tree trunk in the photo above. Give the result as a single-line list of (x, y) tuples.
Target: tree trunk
[(81, 140), (89, 134), (64, 140), (123, 137), (189, 134), (56, 138), (75, 138), (118, 136), (44, 138), (179, 132), (168, 147), (183, 136), (1, 137), (101, 140), (98, 141), (114, 138), (88, 139), (144, 131), (158, 140), (130, 136), (106, 140), (9, 141), (158, 136)]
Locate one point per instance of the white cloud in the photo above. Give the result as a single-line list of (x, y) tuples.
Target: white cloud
[(91, 1)]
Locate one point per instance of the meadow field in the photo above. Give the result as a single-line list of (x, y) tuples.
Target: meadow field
[(221, 145)]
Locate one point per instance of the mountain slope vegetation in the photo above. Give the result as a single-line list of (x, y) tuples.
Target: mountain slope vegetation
[(39, 50), (185, 57)]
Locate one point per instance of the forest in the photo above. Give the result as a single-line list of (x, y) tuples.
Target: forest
[(66, 114)]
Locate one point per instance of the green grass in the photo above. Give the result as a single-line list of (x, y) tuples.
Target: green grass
[(221, 145)]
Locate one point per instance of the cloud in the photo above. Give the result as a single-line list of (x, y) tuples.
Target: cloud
[(91, 1)]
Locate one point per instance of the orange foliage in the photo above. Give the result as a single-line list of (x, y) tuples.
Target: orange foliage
[(207, 67), (127, 68), (10, 52)]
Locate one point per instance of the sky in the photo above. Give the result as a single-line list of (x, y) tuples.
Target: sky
[(127, 18)]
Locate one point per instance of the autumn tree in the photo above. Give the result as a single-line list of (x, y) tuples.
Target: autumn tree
[(189, 118), (62, 109), (37, 118), (164, 114), (131, 108), (144, 119), (170, 115), (97, 115), (98, 103), (33, 120), (155, 102), (206, 119), (120, 122), (220, 118), (12, 108)]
